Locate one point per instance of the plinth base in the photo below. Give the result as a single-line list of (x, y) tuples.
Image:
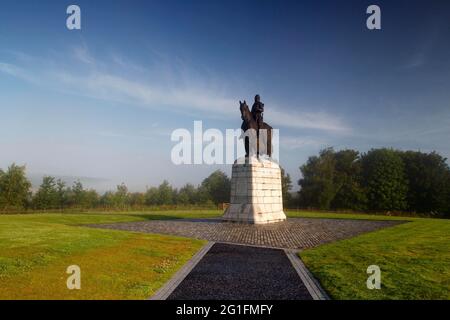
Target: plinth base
[(256, 195)]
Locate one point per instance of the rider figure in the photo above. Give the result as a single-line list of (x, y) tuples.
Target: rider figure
[(257, 111)]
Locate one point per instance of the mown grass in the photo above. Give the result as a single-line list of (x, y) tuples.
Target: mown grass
[(36, 249), (414, 259)]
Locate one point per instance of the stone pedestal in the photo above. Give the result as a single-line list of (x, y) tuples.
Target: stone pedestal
[(255, 192)]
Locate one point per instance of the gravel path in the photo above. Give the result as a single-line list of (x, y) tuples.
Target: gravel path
[(235, 272)]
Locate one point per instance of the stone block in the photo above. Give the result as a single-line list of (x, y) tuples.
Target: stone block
[(255, 193)]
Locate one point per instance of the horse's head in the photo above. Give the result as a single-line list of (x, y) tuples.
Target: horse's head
[(245, 111)]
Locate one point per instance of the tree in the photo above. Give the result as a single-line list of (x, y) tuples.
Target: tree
[(286, 186), (166, 193), (202, 196), (447, 196), (317, 188), (47, 195), (77, 194), (107, 199), (186, 194), (218, 187), (382, 179), (62, 194), (385, 180), (350, 194), (120, 197), (163, 195), (152, 196), (333, 181), (81, 198), (427, 181), (14, 188), (90, 199), (137, 199)]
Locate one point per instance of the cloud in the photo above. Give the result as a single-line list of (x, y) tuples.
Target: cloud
[(187, 93), (15, 71), (308, 120), (154, 132), (416, 61), (107, 86), (82, 54), (423, 48), (127, 64), (291, 142)]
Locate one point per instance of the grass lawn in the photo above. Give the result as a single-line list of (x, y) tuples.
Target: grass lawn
[(414, 259), (36, 249)]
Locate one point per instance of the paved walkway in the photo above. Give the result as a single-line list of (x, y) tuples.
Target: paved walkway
[(295, 233), (234, 272)]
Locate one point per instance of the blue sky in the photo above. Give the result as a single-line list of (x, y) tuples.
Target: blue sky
[(101, 103)]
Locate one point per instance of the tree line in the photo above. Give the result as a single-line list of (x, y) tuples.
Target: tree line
[(381, 180), (54, 194), (378, 180)]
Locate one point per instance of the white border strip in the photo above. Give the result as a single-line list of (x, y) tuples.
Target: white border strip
[(313, 286), (164, 292)]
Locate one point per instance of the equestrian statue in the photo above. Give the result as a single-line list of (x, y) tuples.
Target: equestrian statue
[(253, 121)]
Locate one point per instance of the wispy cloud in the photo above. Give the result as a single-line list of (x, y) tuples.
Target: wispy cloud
[(154, 132), (292, 142), (15, 71), (416, 61), (126, 63), (309, 120), (423, 47), (188, 93), (81, 53)]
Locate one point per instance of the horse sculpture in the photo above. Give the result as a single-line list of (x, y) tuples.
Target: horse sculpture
[(260, 134)]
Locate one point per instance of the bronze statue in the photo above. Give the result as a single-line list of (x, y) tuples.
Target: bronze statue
[(258, 110), (254, 120)]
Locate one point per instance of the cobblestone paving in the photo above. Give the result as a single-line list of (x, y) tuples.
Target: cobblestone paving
[(295, 233)]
